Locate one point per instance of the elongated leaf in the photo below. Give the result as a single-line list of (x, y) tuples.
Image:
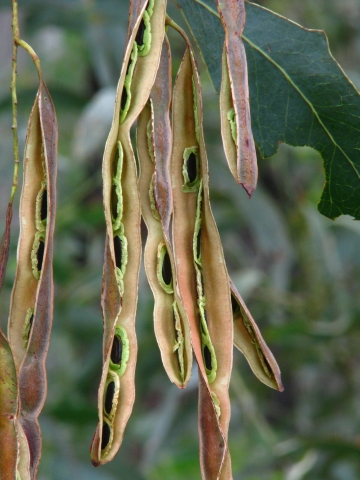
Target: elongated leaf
[(298, 94)]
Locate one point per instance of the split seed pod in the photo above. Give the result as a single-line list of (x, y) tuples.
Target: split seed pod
[(234, 98), (248, 339), (31, 307), (123, 242), (170, 321), (201, 269)]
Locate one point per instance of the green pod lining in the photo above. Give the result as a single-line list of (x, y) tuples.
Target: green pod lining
[(190, 169), (111, 394), (143, 36), (216, 403), (232, 119), (120, 351), (164, 270), (153, 207), (207, 347), (179, 344), (150, 142), (107, 436), (37, 253), (41, 208), (126, 93), (196, 112), (29, 318), (116, 198), (121, 256)]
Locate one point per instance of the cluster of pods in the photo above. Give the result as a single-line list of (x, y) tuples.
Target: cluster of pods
[(197, 307), (198, 310)]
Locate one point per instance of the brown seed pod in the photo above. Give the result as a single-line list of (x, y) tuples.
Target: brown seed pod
[(248, 339), (31, 308), (8, 411), (123, 244), (201, 268), (170, 322), (234, 98)]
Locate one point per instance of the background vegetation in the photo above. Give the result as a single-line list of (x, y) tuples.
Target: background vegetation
[(299, 272)]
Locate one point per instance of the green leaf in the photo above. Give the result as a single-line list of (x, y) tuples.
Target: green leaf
[(299, 95)]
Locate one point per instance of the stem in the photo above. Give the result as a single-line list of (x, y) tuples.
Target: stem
[(18, 42)]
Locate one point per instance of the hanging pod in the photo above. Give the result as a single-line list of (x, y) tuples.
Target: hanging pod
[(154, 149), (200, 269), (31, 307), (8, 410), (248, 339), (236, 130), (122, 216)]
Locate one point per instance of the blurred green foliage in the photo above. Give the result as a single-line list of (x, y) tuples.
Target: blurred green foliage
[(298, 271)]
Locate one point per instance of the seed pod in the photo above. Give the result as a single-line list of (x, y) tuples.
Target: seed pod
[(123, 242), (248, 339), (234, 98), (8, 411), (170, 322), (31, 307), (200, 267)]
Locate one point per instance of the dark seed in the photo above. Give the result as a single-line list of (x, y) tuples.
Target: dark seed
[(207, 358), (116, 350), (109, 397), (166, 269), (118, 251), (105, 437), (191, 165), (43, 209), (234, 304), (114, 202), (40, 254), (124, 97), (139, 39), (198, 244)]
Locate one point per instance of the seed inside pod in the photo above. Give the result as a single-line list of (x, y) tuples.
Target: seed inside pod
[(190, 169), (118, 251), (116, 350), (166, 269), (109, 397), (120, 351), (40, 254), (207, 358), (163, 271), (43, 209), (139, 39), (191, 165), (105, 437)]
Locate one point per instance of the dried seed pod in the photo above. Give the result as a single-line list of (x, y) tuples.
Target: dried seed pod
[(248, 339), (234, 98), (200, 268), (122, 215), (154, 148), (31, 307), (8, 411)]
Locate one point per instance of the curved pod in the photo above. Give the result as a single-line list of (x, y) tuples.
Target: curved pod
[(234, 98)]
